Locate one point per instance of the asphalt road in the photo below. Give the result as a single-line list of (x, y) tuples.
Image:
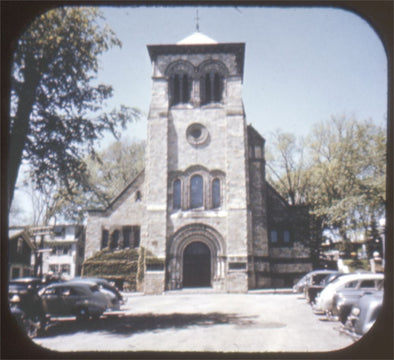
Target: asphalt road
[(180, 321)]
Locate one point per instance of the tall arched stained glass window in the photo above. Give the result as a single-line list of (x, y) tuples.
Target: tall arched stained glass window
[(177, 194), (196, 192), (216, 193)]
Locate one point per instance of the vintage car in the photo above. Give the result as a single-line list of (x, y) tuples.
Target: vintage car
[(24, 285), (345, 299), (313, 290), (106, 288), (25, 304), (364, 314), (80, 299), (313, 277), (325, 300)]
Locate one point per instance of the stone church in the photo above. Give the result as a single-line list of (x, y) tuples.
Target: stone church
[(202, 205)]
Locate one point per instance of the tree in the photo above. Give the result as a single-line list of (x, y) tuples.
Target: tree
[(115, 167), (286, 167), (107, 175), (56, 112), (347, 174), (340, 173)]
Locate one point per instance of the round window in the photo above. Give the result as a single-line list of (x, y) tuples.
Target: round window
[(197, 134)]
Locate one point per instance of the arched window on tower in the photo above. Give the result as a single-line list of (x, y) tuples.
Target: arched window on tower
[(196, 192), (216, 193), (180, 88), (177, 194), (211, 88)]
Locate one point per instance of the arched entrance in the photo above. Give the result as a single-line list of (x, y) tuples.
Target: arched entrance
[(196, 265), (196, 258)]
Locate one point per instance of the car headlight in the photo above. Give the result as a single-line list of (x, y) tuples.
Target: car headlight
[(356, 311)]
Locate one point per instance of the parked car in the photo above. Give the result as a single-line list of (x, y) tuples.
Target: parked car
[(80, 299), (313, 290), (25, 304), (105, 287), (26, 289), (309, 279), (26, 284), (365, 281), (345, 299), (364, 314)]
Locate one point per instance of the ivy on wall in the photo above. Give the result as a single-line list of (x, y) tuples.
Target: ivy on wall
[(125, 267)]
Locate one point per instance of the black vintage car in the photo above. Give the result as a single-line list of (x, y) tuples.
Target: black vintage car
[(26, 289), (104, 285), (25, 304), (83, 300)]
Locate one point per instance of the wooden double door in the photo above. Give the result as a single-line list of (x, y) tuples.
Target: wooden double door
[(196, 265)]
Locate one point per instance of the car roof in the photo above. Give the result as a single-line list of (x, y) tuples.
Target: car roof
[(354, 276), (80, 282), (25, 280), (92, 279), (70, 283)]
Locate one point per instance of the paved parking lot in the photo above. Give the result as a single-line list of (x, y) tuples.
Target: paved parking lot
[(187, 321)]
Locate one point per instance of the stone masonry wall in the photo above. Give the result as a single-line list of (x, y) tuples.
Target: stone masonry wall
[(125, 210), (288, 261), (224, 152)]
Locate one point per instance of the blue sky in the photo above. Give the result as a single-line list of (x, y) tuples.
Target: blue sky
[(302, 65)]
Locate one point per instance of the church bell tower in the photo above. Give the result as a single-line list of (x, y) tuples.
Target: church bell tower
[(196, 183)]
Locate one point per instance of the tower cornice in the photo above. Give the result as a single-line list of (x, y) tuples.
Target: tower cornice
[(238, 49)]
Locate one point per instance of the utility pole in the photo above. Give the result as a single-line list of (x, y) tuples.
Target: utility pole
[(39, 232)]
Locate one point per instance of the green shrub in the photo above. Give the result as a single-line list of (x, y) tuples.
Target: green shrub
[(121, 266), (356, 264)]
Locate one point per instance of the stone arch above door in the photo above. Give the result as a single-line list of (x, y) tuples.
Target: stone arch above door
[(183, 238), (189, 233)]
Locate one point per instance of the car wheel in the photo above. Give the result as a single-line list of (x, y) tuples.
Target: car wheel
[(82, 314)]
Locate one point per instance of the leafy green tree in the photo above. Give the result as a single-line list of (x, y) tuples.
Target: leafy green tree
[(56, 111), (340, 172), (347, 174)]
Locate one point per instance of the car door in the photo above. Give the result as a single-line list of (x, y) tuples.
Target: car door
[(52, 301), (71, 297)]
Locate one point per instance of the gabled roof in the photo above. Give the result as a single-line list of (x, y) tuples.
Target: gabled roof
[(276, 193), (16, 233), (117, 198), (253, 132)]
